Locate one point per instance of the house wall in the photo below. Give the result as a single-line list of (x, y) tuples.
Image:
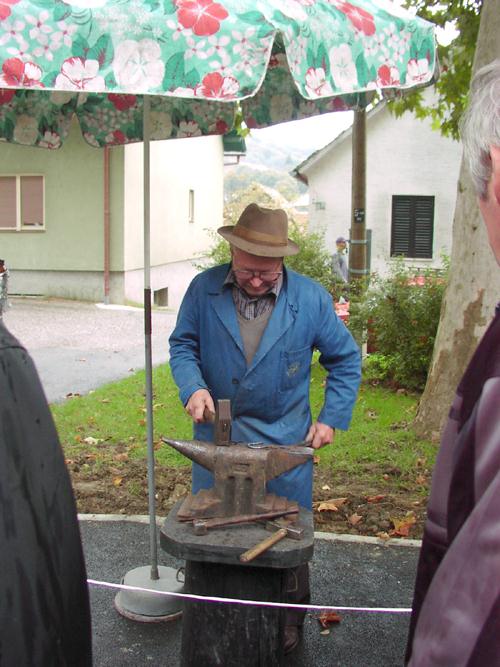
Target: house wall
[(66, 258), (177, 166), (404, 157), (71, 243)]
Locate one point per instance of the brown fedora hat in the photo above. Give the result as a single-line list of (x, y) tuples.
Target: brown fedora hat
[(261, 231)]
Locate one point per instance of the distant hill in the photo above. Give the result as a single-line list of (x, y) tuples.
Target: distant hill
[(268, 164), (262, 154)]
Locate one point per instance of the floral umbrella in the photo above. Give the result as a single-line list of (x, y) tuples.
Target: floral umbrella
[(135, 70), (205, 62)]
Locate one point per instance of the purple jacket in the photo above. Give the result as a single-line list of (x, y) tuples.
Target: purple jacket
[(456, 607)]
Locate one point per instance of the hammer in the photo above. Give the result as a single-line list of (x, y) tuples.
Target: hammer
[(284, 530)]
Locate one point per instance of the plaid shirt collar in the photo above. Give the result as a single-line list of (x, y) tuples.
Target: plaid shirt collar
[(251, 307)]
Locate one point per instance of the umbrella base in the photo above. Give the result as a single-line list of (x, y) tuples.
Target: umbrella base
[(147, 607)]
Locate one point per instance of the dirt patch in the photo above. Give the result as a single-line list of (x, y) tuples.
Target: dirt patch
[(343, 503)]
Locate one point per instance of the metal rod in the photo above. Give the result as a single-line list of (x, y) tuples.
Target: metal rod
[(147, 344), (107, 235)]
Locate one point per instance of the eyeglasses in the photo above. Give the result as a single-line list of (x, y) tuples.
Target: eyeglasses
[(265, 276)]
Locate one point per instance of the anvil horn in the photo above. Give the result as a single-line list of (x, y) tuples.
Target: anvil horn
[(199, 451), (284, 458)]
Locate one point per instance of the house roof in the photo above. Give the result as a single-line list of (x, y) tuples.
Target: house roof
[(300, 170)]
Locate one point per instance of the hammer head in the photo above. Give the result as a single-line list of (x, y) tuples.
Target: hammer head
[(292, 531)]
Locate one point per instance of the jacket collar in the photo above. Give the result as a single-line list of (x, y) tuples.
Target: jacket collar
[(282, 317)]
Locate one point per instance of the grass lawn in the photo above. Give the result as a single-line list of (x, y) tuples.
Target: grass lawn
[(106, 431)]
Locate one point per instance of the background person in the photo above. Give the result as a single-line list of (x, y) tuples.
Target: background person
[(246, 332), (456, 607)]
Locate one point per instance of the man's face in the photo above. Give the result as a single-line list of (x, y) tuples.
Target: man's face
[(341, 247), (268, 270), (490, 207)]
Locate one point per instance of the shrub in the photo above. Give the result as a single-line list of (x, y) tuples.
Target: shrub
[(398, 316)]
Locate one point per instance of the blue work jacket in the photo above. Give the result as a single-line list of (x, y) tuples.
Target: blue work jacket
[(270, 397)]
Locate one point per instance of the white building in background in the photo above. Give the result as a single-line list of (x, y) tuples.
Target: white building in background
[(411, 182), (53, 217)]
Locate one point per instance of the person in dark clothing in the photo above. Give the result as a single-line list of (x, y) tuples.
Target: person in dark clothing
[(456, 608), (44, 604)]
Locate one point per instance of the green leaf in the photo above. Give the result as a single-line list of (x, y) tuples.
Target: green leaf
[(252, 17), (8, 129), (102, 51), (362, 70), (60, 12), (110, 81), (169, 7), (192, 78), (174, 72), (80, 47), (49, 79)]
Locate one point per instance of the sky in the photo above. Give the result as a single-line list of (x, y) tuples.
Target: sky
[(308, 133)]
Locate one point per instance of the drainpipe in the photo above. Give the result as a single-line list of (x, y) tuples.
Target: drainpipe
[(106, 225)]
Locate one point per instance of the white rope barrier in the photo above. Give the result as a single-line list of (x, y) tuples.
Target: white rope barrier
[(261, 603)]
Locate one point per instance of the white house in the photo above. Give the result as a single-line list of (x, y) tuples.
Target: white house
[(411, 182), (71, 220)]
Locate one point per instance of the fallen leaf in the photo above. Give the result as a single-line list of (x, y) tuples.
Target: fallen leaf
[(371, 414), (375, 499), (383, 536), (121, 457), (78, 438), (117, 481), (354, 519), (421, 479), (142, 422), (326, 618), (331, 505), (385, 476), (316, 459), (89, 440), (105, 400), (402, 526), (325, 487)]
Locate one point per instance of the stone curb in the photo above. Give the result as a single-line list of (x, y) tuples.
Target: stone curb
[(332, 537)]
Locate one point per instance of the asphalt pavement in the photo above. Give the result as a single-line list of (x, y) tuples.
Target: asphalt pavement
[(80, 346), (344, 572)]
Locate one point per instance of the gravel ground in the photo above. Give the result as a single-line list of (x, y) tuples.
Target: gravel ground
[(78, 346)]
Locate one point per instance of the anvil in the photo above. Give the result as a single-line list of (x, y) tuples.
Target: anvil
[(241, 471)]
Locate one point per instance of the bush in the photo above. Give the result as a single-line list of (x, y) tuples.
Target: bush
[(398, 316)]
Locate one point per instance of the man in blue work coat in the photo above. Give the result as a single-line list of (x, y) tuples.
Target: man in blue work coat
[(246, 332)]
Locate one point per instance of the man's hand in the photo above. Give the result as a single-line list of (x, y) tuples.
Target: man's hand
[(198, 402), (320, 435)]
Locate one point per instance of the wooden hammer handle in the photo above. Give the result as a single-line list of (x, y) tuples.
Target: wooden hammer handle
[(266, 544)]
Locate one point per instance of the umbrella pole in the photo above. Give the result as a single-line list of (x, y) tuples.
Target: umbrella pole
[(141, 605), (147, 344)]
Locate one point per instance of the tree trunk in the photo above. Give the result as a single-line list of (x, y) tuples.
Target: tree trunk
[(474, 287)]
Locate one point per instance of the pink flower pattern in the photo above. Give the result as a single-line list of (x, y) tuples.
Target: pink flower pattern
[(215, 50)]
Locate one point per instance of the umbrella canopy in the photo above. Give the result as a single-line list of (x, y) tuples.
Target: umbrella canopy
[(204, 63)]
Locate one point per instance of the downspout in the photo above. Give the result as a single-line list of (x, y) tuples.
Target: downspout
[(107, 234)]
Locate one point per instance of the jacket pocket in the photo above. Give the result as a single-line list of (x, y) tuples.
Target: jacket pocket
[(295, 367)]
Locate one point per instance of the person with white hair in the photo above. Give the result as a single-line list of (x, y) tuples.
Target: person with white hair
[(456, 607)]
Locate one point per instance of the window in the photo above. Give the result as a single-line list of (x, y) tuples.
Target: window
[(412, 226), (191, 206), (21, 202)]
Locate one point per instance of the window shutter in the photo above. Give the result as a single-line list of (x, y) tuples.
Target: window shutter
[(31, 201), (8, 202), (412, 226), (401, 216), (424, 223)]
